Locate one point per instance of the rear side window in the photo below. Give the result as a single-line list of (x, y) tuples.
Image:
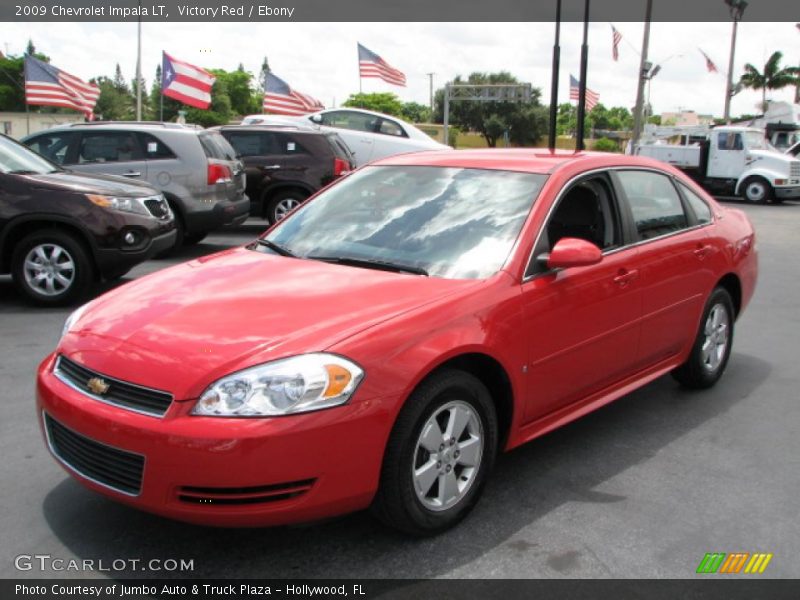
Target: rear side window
[(391, 128), (155, 148), (52, 145), (340, 149), (655, 204), (345, 119), (216, 146), (289, 145), (699, 207), (247, 143), (108, 146)]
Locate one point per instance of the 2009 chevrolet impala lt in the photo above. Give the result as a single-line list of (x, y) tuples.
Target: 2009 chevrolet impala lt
[(383, 343)]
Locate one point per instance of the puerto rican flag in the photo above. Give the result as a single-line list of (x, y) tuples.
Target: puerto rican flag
[(186, 83), (46, 85)]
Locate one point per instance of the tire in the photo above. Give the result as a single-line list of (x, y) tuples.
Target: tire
[(420, 504), (194, 238), (283, 202), (756, 190), (51, 267), (703, 368)]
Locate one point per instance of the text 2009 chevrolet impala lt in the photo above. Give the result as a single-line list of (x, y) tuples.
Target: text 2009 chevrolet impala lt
[(380, 345)]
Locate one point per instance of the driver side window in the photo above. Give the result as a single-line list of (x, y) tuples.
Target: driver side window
[(585, 211)]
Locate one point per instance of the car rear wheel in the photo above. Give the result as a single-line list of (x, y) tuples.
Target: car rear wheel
[(712, 346), (439, 455), (283, 203), (756, 190), (51, 267)]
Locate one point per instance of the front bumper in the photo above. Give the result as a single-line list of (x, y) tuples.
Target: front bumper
[(336, 453), (111, 261), (787, 192)]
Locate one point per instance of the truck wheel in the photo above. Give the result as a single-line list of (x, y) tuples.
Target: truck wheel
[(756, 190), (51, 267), (283, 203)]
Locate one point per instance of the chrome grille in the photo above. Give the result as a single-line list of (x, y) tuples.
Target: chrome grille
[(108, 466), (119, 393), (158, 207), (794, 168)]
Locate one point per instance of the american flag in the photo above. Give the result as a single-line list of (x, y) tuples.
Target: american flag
[(186, 83), (616, 38), (712, 68), (45, 85), (592, 98), (281, 99), (372, 65)]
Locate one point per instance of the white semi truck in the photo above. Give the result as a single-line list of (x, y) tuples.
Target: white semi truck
[(727, 160)]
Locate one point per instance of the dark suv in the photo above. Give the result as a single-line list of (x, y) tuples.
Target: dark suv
[(60, 230), (285, 165), (196, 169)]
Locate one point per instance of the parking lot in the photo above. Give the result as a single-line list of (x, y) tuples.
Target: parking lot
[(642, 488)]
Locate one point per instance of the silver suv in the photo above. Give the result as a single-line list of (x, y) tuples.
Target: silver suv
[(197, 170)]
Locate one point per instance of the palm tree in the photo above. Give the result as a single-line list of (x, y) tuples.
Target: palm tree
[(773, 77)]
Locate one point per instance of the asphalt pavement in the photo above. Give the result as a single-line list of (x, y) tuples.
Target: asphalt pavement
[(641, 488)]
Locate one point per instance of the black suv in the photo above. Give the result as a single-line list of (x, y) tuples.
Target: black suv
[(60, 230), (285, 165)]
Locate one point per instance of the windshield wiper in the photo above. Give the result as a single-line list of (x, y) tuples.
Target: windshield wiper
[(277, 248), (22, 172), (371, 264)]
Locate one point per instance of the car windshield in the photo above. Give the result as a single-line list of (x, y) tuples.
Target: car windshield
[(454, 223), (17, 159), (754, 140)]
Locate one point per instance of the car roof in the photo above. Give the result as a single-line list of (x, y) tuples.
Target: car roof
[(273, 127), (526, 160), (137, 125)]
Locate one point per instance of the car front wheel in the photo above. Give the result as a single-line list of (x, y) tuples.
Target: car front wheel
[(51, 267), (712, 346), (283, 203), (439, 455), (756, 190)]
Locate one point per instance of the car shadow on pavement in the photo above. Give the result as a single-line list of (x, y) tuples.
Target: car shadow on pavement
[(565, 466)]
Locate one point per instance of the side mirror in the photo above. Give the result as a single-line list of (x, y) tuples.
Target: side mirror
[(316, 119), (572, 252)]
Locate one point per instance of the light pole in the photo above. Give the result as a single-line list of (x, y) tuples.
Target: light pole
[(644, 68), (430, 78), (736, 8)]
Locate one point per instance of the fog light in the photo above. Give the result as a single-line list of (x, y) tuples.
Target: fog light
[(129, 238)]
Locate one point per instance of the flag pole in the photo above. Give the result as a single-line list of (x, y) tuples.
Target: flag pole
[(554, 83), (579, 145), (139, 65)]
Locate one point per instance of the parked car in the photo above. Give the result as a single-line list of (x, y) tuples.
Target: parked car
[(380, 345), (60, 230), (196, 170), (285, 165), (369, 135)]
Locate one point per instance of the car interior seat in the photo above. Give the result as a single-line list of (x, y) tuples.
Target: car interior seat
[(578, 216)]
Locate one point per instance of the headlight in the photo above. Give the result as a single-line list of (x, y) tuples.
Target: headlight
[(131, 205), (292, 385), (73, 318)]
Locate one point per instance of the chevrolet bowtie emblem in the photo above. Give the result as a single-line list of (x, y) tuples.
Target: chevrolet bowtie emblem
[(97, 386)]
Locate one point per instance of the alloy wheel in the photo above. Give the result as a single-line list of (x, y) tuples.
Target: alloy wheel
[(49, 269)]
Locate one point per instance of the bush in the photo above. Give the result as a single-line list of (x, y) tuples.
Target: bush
[(605, 145)]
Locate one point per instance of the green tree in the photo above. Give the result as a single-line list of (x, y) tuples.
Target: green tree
[(244, 98), (493, 119), (773, 77), (382, 102), (113, 104), (30, 49), (566, 119), (415, 112)]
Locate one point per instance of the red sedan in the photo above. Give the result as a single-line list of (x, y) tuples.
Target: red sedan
[(382, 344)]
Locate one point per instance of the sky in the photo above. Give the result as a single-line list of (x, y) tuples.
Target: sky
[(320, 59)]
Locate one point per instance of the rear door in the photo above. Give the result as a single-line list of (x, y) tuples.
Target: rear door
[(675, 262), (112, 153)]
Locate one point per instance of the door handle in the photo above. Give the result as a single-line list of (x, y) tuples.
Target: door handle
[(132, 174), (702, 251), (271, 167), (624, 277)]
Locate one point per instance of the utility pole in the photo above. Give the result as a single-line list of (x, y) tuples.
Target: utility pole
[(644, 70), (430, 78), (737, 10), (139, 65)]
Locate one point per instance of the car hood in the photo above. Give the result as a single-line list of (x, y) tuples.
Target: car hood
[(184, 327), (81, 183)]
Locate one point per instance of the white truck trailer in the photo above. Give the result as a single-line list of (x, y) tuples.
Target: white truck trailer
[(727, 160)]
